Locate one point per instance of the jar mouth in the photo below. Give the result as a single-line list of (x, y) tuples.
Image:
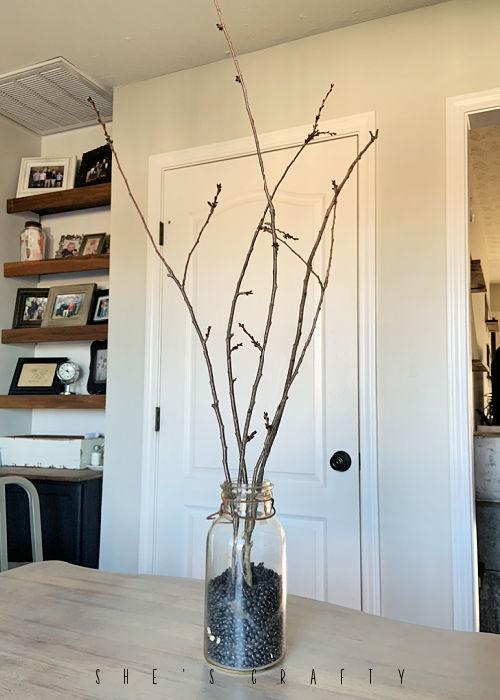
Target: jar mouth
[(231, 490)]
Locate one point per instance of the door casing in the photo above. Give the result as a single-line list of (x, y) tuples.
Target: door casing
[(359, 125), (463, 527)]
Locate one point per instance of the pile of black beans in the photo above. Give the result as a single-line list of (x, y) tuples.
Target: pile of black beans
[(244, 626)]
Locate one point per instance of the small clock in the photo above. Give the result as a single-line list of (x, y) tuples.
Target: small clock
[(69, 373)]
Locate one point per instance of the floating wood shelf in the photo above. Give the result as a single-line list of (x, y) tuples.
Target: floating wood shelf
[(54, 335), (65, 200), (55, 401), (477, 366), (477, 283), (54, 266)]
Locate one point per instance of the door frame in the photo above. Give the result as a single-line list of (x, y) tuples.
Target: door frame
[(462, 496), (359, 125)]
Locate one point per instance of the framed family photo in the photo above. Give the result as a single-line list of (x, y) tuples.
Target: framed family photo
[(98, 370), (69, 245), (99, 311), (30, 307), (95, 167), (36, 375), (40, 175), (68, 305), (92, 244)]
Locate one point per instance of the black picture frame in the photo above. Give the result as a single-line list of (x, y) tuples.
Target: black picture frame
[(106, 244), (28, 314), (36, 375), (95, 168), (99, 309), (87, 241), (98, 370)]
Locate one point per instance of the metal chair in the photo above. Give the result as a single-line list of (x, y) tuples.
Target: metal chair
[(35, 522)]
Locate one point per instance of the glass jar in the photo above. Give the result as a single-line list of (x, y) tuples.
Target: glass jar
[(245, 581), (32, 241)]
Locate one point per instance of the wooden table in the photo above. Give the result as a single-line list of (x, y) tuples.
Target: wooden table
[(59, 623)]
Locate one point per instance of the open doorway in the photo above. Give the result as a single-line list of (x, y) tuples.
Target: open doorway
[(484, 251), (463, 544)]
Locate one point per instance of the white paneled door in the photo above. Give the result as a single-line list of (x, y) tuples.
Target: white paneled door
[(319, 507)]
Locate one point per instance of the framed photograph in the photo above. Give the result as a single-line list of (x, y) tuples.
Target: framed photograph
[(30, 307), (99, 311), (92, 244), (37, 375), (95, 167), (69, 245), (39, 175), (68, 305), (98, 370), (105, 245)]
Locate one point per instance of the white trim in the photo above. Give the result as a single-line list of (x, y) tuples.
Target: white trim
[(359, 125), (463, 539)]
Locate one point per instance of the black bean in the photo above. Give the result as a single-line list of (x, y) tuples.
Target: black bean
[(248, 620)]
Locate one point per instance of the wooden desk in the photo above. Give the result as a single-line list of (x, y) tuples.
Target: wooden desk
[(70, 507), (59, 623)]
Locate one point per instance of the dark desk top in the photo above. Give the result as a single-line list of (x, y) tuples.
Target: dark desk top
[(51, 474)]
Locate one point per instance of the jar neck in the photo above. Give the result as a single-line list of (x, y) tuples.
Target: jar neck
[(247, 500)]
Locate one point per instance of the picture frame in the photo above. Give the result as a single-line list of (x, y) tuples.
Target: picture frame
[(30, 307), (36, 375), (98, 369), (99, 310), (68, 305), (92, 244), (33, 174), (69, 245), (106, 244), (95, 167)]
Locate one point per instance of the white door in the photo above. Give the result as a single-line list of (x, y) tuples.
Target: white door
[(318, 507)]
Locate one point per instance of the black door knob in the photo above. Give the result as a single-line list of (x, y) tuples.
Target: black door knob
[(340, 461)]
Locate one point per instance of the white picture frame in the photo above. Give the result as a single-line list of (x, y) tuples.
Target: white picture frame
[(33, 175)]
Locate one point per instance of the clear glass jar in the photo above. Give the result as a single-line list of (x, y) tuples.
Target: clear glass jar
[(245, 581), (32, 240)]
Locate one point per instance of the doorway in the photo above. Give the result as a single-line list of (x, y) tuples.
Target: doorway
[(460, 110)]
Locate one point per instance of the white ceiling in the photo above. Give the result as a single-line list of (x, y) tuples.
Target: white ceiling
[(484, 179), (122, 41)]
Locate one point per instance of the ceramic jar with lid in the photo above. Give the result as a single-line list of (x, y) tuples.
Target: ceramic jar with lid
[(32, 241)]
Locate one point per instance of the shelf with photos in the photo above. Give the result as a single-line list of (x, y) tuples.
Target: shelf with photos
[(48, 185), (64, 313), (67, 312)]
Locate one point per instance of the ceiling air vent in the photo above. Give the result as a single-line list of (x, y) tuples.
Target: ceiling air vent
[(52, 97)]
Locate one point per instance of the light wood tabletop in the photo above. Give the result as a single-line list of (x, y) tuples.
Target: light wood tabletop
[(70, 632)]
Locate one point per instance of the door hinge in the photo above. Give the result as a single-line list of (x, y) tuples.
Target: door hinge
[(160, 236), (157, 419)]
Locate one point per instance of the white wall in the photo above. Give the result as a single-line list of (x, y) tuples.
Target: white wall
[(15, 142), (403, 67)]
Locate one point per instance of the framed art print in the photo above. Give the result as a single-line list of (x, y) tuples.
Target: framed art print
[(36, 375)]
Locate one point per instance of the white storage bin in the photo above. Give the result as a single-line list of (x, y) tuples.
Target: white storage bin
[(57, 451)]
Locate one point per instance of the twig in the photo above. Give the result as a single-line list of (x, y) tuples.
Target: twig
[(212, 206), (254, 342)]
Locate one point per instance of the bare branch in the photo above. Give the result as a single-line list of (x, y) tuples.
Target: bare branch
[(251, 435), (212, 206), (292, 250), (254, 342), (294, 363), (177, 282), (207, 334)]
